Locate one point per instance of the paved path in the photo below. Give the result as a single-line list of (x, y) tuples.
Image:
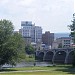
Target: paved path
[(24, 71)]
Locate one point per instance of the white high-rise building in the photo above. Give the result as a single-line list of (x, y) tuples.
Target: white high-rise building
[(29, 30)]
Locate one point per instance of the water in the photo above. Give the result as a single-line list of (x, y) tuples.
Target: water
[(26, 64)]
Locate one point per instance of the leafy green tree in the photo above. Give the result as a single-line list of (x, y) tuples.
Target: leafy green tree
[(60, 45), (11, 44), (29, 49), (72, 28)]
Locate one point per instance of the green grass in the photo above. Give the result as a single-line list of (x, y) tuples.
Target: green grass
[(37, 73), (57, 70)]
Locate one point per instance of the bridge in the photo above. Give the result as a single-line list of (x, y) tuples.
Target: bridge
[(60, 55)]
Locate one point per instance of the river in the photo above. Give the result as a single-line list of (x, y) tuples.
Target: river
[(26, 64)]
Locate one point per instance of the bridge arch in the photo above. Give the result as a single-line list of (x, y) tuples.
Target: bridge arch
[(70, 57), (41, 56), (48, 56), (59, 57)]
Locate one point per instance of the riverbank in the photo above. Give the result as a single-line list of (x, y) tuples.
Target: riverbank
[(49, 70)]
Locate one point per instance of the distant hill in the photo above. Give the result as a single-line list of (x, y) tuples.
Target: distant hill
[(58, 35)]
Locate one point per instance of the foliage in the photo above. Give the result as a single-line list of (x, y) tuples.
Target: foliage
[(29, 49), (11, 45), (60, 45), (30, 58), (72, 28)]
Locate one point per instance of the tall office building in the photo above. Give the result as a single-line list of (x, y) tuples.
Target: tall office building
[(48, 38), (30, 31)]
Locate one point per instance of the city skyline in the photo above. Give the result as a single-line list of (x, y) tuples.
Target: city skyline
[(51, 15)]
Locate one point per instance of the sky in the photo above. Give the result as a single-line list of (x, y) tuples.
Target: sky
[(51, 15)]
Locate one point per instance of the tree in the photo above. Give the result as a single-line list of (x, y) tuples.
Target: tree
[(29, 49), (60, 45), (72, 28), (11, 43)]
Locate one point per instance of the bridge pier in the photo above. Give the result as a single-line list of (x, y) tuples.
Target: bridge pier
[(67, 53), (53, 58)]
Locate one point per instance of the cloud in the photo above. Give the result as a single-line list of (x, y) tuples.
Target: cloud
[(25, 2), (74, 6), (3, 2), (49, 14), (15, 6)]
